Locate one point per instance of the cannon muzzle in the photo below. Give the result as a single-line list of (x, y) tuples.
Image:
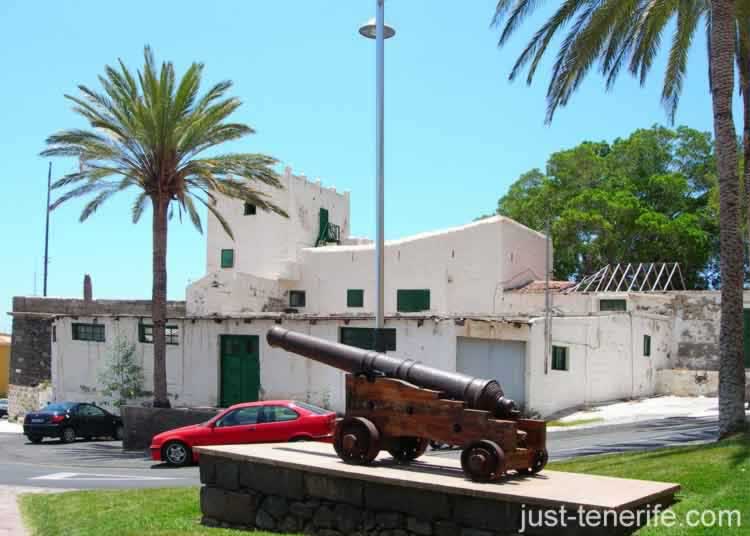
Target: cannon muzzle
[(478, 393)]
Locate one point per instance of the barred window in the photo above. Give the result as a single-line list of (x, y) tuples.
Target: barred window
[(88, 332), (146, 334)]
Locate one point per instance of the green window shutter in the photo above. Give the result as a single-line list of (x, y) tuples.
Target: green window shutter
[(647, 345), (364, 338), (297, 298), (355, 297), (250, 209), (412, 300), (559, 358), (227, 258), (613, 305)]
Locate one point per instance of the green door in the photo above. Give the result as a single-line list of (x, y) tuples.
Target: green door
[(240, 369), (746, 334)]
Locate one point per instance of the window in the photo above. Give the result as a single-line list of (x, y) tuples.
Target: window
[(87, 410), (413, 300), (559, 358), (647, 345), (240, 417), (355, 297), (365, 338), (296, 298), (227, 258), (312, 408), (250, 209), (279, 414), (613, 305), (146, 334), (88, 332)]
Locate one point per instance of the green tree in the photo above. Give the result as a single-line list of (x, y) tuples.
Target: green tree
[(149, 132), (122, 376), (641, 199), (629, 32)]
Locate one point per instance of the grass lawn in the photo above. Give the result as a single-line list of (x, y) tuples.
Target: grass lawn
[(713, 477), (165, 512)]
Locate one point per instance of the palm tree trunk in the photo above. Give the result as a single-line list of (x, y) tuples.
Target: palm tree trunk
[(159, 300), (731, 365)]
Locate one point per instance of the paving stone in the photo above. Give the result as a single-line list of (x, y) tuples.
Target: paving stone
[(418, 526), (334, 489), (272, 480), (304, 510), (423, 504), (446, 528), (227, 474), (276, 506), (263, 520), (324, 517), (389, 520)]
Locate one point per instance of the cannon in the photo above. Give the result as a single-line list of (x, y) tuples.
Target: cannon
[(401, 405)]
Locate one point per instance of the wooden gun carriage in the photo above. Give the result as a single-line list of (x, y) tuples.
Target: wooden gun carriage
[(400, 406)]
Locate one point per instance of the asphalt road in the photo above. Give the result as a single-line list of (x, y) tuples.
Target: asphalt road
[(103, 464)]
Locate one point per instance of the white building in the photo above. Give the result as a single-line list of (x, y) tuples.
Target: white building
[(460, 299)]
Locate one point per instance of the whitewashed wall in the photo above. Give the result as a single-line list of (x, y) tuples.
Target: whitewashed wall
[(193, 371), (605, 356), (266, 244), (465, 268)]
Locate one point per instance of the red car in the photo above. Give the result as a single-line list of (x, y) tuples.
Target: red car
[(270, 421)]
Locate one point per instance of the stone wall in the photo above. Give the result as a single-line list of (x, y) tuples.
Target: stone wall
[(22, 399), (248, 496), (688, 382), (141, 423), (30, 350)]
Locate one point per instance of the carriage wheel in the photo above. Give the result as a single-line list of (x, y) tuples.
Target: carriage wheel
[(483, 461), (541, 457), (407, 449), (356, 440)]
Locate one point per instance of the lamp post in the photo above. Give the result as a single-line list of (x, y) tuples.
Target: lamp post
[(378, 30)]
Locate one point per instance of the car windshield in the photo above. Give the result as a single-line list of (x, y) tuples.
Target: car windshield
[(311, 408), (58, 406)]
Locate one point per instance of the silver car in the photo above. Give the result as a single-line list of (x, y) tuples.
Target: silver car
[(3, 407)]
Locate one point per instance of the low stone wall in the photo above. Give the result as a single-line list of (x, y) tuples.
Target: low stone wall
[(245, 495), (141, 424), (688, 382), (22, 400)]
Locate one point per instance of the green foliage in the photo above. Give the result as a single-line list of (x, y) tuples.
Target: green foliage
[(122, 375), (137, 512), (615, 35), (147, 132), (647, 198)]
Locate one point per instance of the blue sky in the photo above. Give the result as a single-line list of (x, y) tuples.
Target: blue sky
[(457, 132)]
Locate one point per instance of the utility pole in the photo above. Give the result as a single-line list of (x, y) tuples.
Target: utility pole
[(46, 229)]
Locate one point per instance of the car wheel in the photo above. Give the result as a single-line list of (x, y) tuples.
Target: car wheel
[(177, 453), (68, 435), (36, 439), (119, 433)]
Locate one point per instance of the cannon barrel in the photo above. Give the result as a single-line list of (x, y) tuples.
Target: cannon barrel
[(478, 393)]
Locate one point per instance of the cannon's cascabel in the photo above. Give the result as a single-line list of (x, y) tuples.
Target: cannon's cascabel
[(478, 393)]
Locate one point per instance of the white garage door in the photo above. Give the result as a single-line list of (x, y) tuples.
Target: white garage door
[(504, 361)]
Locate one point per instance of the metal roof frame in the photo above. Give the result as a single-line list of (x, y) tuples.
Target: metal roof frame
[(640, 277)]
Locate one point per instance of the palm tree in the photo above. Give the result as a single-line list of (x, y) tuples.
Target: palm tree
[(628, 32), (149, 132)]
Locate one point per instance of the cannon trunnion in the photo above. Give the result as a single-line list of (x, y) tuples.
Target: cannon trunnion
[(386, 409)]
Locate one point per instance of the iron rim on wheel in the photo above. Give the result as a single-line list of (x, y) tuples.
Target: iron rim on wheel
[(357, 440), (483, 461), (407, 449), (68, 435), (176, 453)]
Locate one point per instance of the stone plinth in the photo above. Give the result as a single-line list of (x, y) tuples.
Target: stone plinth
[(306, 488)]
